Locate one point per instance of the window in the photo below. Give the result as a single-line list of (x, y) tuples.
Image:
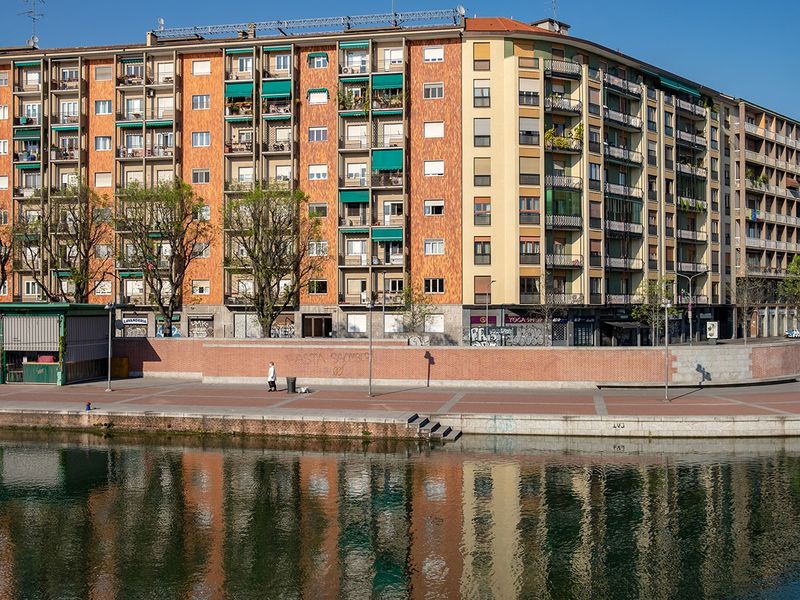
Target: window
[(201, 176), (318, 286), (103, 288), (594, 176), (392, 323), (317, 134), (3, 78), (652, 125), (201, 139), (434, 323), (433, 208), (433, 54), (433, 91), (102, 73), (481, 93), (201, 67), (434, 285), (245, 174), (528, 171), (482, 211), (3, 182), (482, 171), (482, 251), (481, 54), (434, 168), (282, 62), (356, 323), (3, 112), (482, 132), (3, 146), (102, 180), (245, 64), (201, 102), (594, 101), (528, 131), (714, 137), (528, 91), (318, 97), (434, 247), (528, 249), (102, 250), (434, 129), (668, 123), (31, 288), (201, 287), (318, 210), (102, 107), (317, 172), (201, 250), (392, 57), (318, 248), (3, 217), (102, 142), (318, 61)]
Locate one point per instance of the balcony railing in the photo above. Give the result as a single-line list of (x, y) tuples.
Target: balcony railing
[(623, 190), (564, 260), (28, 87), (346, 69), (354, 142), (236, 75), (131, 80), (65, 119), (148, 152), (529, 298), (274, 144), (563, 144), (692, 267), (561, 104), (692, 204), (354, 181), (623, 85), (63, 154), (278, 108), (624, 299), (565, 298), (694, 109), (238, 147), (28, 120), (384, 179), (387, 101), (530, 259), (387, 141), (688, 234), (692, 138), (624, 226), (564, 182), (622, 118), (239, 109), (563, 221), (618, 262), (621, 153), (27, 156), (354, 260), (567, 68), (529, 218), (692, 170)]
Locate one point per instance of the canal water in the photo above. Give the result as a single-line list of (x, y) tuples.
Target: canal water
[(83, 516)]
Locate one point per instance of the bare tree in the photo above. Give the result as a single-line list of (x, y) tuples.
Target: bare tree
[(274, 239), (416, 309), (750, 293), (654, 293), (60, 248), (161, 229), (552, 304), (6, 253)]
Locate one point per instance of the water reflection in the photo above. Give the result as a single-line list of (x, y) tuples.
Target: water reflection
[(83, 517)]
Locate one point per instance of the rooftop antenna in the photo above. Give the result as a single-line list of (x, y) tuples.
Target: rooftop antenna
[(161, 23), (35, 16), (554, 8)]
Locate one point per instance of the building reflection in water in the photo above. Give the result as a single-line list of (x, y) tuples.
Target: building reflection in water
[(82, 517)]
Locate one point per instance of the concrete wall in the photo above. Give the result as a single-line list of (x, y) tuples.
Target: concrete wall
[(346, 362)]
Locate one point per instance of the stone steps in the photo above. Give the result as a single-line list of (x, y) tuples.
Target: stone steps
[(433, 430)]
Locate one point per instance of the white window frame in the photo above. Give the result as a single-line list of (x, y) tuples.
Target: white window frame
[(201, 136), (319, 62), (4, 112), (433, 129), (103, 73), (201, 176), (3, 146), (3, 182), (317, 172), (318, 248), (102, 104), (426, 87), (100, 180), (102, 143), (317, 134), (3, 78), (433, 247), (318, 97), (432, 168), (429, 204), (197, 104), (201, 68), (201, 287), (431, 54)]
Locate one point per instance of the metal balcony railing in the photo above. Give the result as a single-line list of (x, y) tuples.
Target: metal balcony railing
[(622, 118), (561, 143), (384, 179), (388, 141), (232, 147), (692, 267), (624, 226), (619, 262), (692, 138), (563, 221), (354, 181), (564, 260), (694, 109), (692, 170), (65, 119), (563, 181), (621, 153), (565, 298), (561, 104), (358, 142), (557, 66), (688, 234), (28, 120), (624, 299), (623, 85), (278, 108), (623, 190)]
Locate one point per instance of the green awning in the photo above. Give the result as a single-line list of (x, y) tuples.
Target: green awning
[(281, 88), (239, 90), (277, 48), (130, 125), (162, 123), (28, 166), (175, 318), (238, 51), (315, 90), (354, 196), (239, 119), (354, 45), (317, 54), (28, 63), (63, 273), (277, 117), (387, 234), (388, 112), (28, 134), (131, 59), (129, 274), (678, 86), (388, 81), (387, 160), (65, 128), (353, 113), (355, 79), (356, 230)]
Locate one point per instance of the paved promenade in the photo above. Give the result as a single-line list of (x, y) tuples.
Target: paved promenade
[(180, 397)]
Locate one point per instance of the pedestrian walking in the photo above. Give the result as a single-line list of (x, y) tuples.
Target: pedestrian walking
[(272, 378)]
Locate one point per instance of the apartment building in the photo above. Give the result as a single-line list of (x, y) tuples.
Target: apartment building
[(498, 167), (363, 122)]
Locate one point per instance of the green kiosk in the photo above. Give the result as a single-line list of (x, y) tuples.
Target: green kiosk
[(53, 343)]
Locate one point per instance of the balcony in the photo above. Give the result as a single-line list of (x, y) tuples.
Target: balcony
[(529, 298), (563, 144), (354, 260), (133, 300), (130, 116), (692, 267), (529, 218), (690, 108), (624, 299), (691, 235), (566, 182), (232, 147), (65, 85), (572, 261), (616, 189), (625, 264), (387, 101), (27, 156), (26, 192), (273, 143), (623, 120), (685, 298), (688, 169), (64, 154), (624, 227), (28, 121), (619, 153), (530, 259), (622, 85), (354, 181), (237, 300), (277, 107), (559, 104), (360, 142), (691, 138), (691, 204), (236, 75), (148, 152), (563, 221), (65, 119), (239, 109), (381, 140), (131, 79), (565, 298), (387, 179), (560, 67)]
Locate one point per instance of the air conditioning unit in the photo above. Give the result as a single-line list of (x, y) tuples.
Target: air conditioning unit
[(345, 70)]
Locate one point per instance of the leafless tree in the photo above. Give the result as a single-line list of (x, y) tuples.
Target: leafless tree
[(650, 311), (750, 293)]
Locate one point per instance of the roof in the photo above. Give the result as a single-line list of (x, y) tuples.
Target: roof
[(499, 24)]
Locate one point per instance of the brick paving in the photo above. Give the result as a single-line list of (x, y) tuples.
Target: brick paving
[(143, 395)]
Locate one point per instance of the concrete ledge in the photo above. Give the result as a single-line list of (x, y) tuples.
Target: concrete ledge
[(624, 427), (416, 383)]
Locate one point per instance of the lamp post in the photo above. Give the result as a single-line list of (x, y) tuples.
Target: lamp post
[(667, 305), (690, 279), (369, 334), (110, 309), (486, 315)]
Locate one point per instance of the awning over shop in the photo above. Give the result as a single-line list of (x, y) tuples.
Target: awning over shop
[(354, 196), (280, 88), (388, 81), (387, 160), (625, 324), (243, 89)]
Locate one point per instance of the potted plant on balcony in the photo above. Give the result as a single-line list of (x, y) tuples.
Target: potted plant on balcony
[(577, 132)]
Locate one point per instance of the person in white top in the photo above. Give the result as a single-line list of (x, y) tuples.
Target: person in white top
[(272, 378)]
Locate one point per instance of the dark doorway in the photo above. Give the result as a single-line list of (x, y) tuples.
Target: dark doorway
[(317, 326)]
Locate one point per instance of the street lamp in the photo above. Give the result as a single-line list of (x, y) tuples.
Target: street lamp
[(667, 305), (486, 315), (110, 309), (690, 279), (369, 333)]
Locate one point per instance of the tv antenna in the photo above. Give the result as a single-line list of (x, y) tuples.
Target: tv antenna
[(35, 16), (554, 8)]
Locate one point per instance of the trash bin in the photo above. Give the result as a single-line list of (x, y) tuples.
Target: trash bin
[(291, 385)]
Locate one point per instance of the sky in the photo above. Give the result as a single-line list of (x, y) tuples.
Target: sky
[(742, 48)]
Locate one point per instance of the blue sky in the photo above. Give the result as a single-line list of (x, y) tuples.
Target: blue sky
[(742, 48)]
